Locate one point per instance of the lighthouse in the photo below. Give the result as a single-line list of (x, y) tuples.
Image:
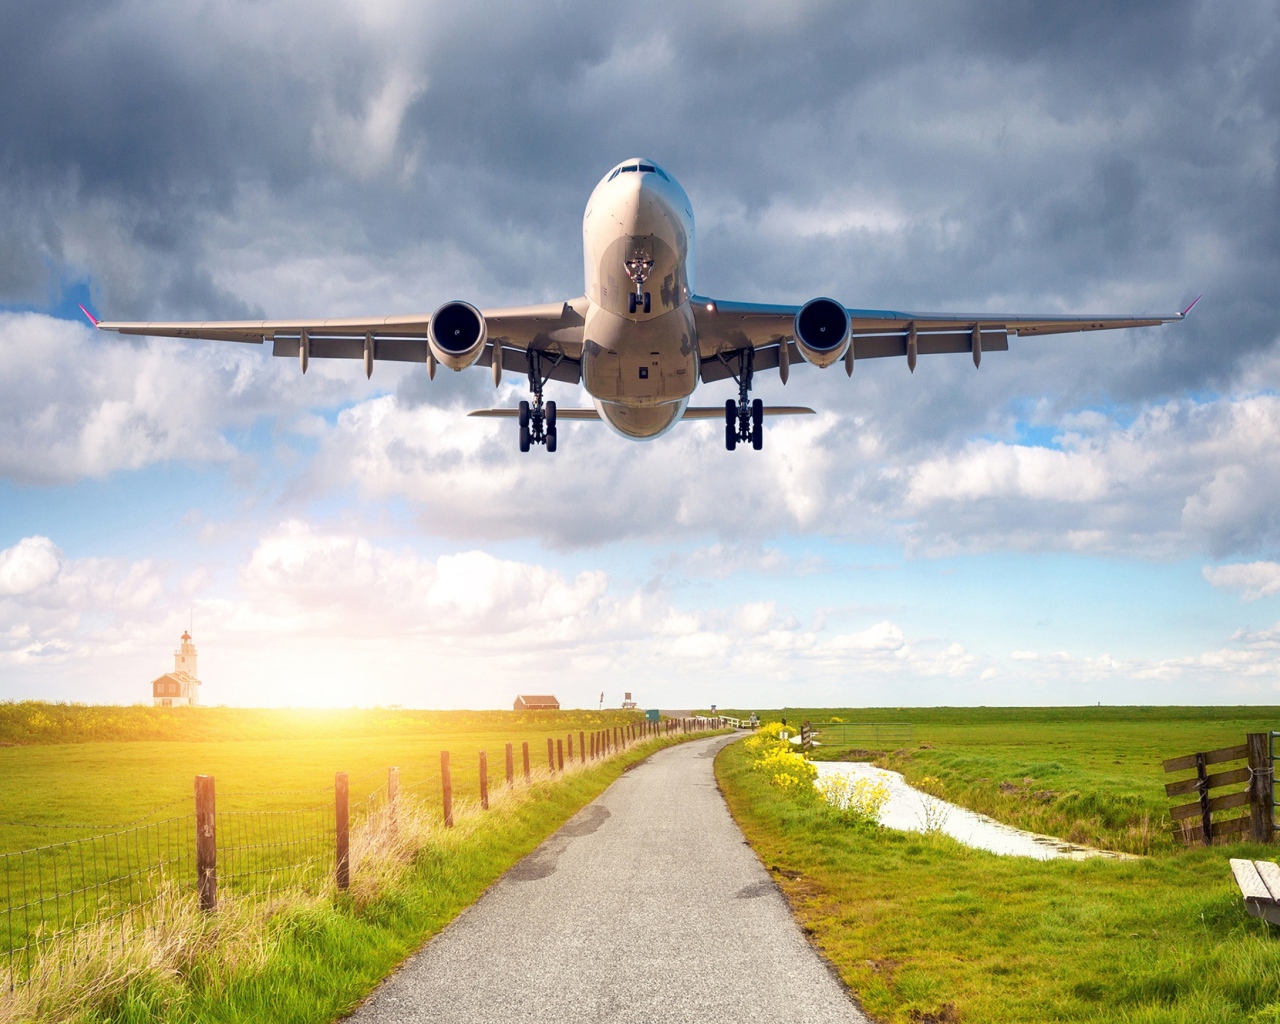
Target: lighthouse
[(181, 687)]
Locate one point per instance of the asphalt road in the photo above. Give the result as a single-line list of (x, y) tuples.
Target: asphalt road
[(647, 906)]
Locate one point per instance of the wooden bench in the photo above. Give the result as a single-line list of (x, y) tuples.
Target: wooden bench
[(1259, 882)]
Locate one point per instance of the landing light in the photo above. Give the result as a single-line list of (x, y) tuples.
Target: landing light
[(711, 307)]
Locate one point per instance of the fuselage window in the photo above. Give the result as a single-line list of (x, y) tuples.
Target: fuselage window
[(615, 173), (661, 173), (646, 167), (629, 167)]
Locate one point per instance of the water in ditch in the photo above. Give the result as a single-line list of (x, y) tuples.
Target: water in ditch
[(909, 810)]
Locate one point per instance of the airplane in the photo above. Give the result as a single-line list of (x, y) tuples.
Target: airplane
[(640, 339)]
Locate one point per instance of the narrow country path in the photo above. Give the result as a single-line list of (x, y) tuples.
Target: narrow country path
[(647, 906)]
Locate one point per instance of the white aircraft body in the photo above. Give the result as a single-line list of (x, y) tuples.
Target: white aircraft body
[(640, 339)]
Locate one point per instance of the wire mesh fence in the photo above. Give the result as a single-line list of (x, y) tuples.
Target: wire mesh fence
[(130, 877), (52, 891)]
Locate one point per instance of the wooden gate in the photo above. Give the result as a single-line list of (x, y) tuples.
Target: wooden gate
[(1195, 822)]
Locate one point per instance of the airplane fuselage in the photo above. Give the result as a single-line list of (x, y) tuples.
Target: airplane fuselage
[(640, 345)]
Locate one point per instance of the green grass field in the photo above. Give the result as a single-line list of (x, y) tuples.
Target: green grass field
[(89, 766), (1091, 775), (925, 929), (303, 951)]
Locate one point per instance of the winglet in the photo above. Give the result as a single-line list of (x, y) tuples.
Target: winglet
[(1192, 306), (92, 319)]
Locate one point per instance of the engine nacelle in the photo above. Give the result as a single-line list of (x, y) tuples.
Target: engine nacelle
[(822, 331), (457, 334)]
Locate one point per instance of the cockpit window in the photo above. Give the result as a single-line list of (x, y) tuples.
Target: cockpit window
[(641, 168)]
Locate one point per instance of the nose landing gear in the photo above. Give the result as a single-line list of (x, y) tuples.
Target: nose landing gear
[(538, 421), (743, 419), (638, 266)]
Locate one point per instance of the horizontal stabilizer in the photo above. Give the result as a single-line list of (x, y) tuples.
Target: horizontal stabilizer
[(716, 412), (561, 414), (696, 412)]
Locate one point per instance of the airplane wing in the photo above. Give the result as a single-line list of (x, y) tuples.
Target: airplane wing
[(727, 328), (553, 328)]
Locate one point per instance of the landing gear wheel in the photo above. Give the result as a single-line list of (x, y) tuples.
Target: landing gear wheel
[(551, 417), (730, 424), (757, 424), (524, 435), (524, 419), (551, 439)]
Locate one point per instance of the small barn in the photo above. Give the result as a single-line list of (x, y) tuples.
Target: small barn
[(536, 702)]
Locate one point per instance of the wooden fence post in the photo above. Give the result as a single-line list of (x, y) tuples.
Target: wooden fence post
[(551, 754), (1206, 817), (511, 767), (484, 781), (446, 788), (568, 743), (525, 751), (1260, 786), (582, 748), (393, 795), (206, 844), (560, 755), (342, 830)]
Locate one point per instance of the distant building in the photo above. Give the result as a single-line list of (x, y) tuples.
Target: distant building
[(181, 687), (533, 702)]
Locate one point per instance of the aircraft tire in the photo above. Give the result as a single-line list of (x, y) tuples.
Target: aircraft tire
[(524, 435), (524, 420), (757, 424), (551, 416), (551, 439), (730, 436)]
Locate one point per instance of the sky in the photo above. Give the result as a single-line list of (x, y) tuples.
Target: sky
[(1085, 519)]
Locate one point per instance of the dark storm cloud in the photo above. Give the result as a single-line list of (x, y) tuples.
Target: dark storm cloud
[(1024, 155)]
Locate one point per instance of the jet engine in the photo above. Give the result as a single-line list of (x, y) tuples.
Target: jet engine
[(457, 334), (822, 331)]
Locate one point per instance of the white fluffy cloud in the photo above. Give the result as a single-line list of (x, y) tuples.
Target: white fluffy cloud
[(77, 404), (32, 563), (1179, 477), (334, 618), (1252, 579), (312, 583)]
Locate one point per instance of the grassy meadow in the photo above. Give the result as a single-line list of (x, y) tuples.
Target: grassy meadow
[(1092, 775), (69, 770), (923, 928), (298, 952)]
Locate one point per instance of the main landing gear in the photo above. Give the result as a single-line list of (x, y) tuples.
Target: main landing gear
[(743, 419), (538, 421)]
